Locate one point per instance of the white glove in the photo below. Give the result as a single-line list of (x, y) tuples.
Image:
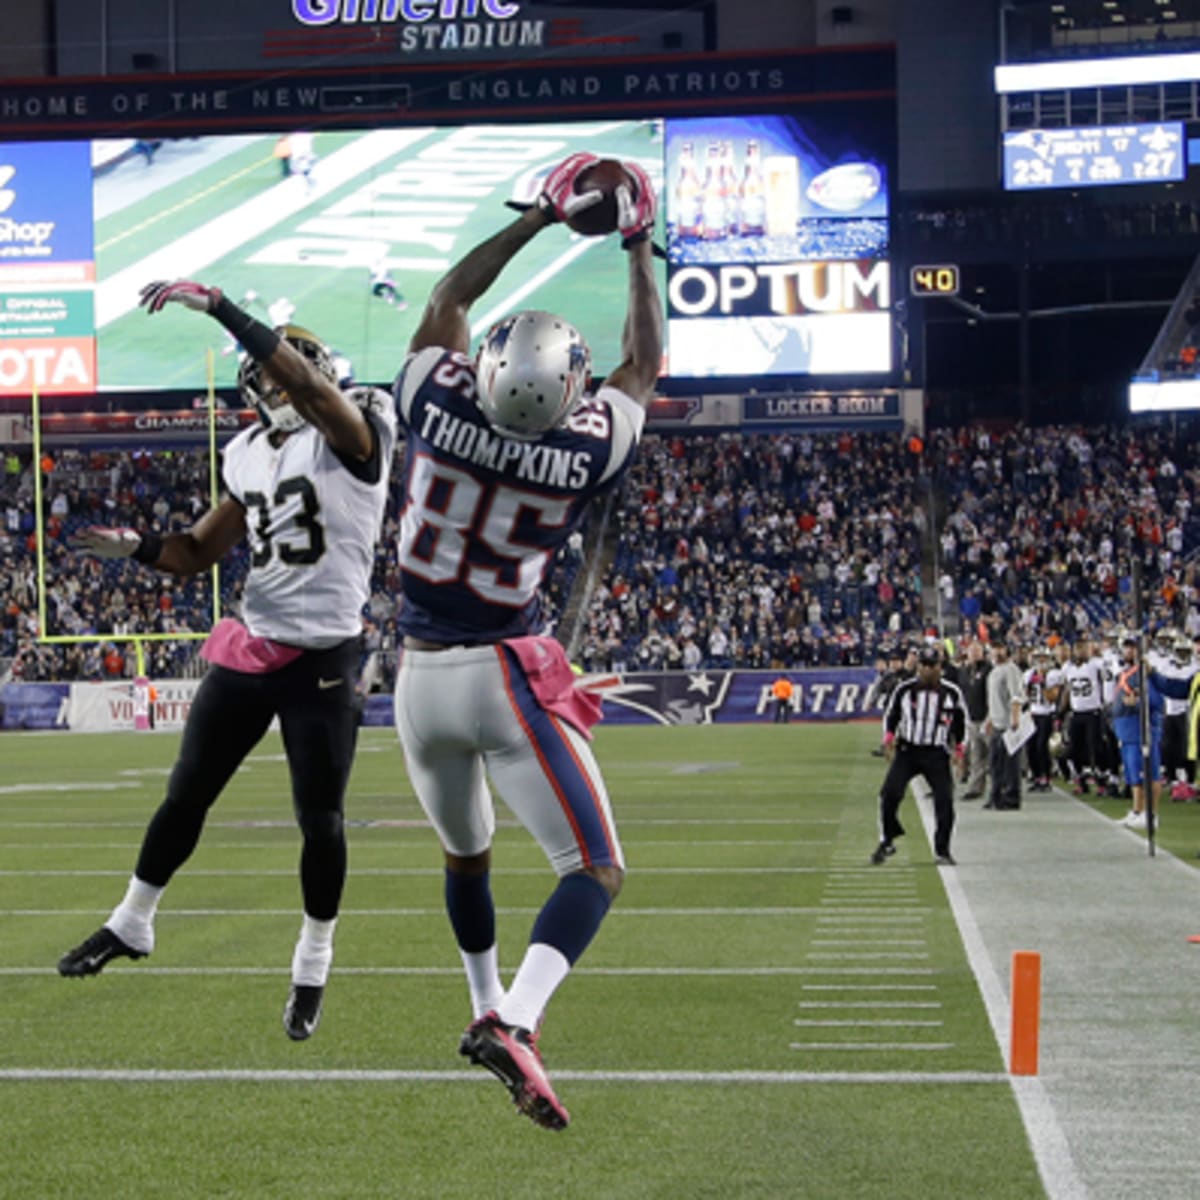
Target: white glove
[(104, 542), (155, 296)]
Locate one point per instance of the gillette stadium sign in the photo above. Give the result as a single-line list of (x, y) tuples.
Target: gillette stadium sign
[(415, 12), (428, 25)]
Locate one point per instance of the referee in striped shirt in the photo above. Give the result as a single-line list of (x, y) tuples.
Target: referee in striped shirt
[(924, 723)]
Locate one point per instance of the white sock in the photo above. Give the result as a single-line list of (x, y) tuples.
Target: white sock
[(541, 971), (483, 978), (314, 952), (133, 919)]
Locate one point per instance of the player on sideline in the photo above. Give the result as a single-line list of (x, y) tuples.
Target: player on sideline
[(306, 487), (504, 455)]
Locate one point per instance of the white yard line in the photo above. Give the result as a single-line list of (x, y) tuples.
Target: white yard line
[(512, 300), (938, 1046), (815, 1023), (412, 872), (453, 972), (1057, 1167), (618, 911), (125, 1075)]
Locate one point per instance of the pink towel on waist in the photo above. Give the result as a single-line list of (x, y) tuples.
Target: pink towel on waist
[(552, 681), (232, 645)]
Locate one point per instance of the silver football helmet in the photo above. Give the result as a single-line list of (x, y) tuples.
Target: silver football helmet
[(531, 370), (275, 410)]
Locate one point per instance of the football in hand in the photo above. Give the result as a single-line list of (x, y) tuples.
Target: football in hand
[(604, 176)]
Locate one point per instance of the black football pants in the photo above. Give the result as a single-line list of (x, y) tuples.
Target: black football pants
[(318, 709), (934, 765)]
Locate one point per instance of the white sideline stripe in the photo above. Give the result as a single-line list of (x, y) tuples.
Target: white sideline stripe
[(872, 1046), (82, 1074), (1050, 1148)]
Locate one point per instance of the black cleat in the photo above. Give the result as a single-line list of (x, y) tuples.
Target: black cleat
[(511, 1054), (946, 860), (302, 1013), (90, 957), (883, 852)]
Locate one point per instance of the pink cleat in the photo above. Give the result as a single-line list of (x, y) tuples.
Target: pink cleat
[(511, 1054)]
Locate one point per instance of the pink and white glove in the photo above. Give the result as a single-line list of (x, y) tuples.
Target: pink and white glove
[(105, 542), (559, 199), (156, 296), (635, 214)]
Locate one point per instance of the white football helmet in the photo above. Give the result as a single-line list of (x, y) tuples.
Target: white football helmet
[(275, 410), (531, 370)]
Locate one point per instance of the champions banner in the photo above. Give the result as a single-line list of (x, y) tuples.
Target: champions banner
[(640, 698)]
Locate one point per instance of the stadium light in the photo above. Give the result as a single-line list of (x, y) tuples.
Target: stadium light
[(1097, 72)]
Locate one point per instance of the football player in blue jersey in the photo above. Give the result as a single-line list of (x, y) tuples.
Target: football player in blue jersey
[(306, 489), (505, 451)]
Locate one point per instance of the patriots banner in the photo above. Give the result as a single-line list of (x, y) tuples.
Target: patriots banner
[(638, 698), (711, 697)]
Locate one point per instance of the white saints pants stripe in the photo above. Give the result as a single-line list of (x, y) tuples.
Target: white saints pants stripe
[(466, 715)]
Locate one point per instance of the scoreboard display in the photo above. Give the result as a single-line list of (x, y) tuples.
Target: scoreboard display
[(1094, 156)]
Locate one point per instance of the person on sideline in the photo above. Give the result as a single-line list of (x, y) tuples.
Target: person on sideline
[(306, 488), (974, 689), (924, 724), (1127, 725), (781, 692), (1006, 700), (504, 454)]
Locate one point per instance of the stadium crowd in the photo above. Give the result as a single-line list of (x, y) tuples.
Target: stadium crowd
[(1041, 527), (87, 597), (791, 550), (758, 550)]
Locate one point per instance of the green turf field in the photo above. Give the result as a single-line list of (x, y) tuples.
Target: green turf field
[(420, 198), (763, 1014)]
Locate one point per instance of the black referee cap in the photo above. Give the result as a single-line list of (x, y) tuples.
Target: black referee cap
[(930, 656)]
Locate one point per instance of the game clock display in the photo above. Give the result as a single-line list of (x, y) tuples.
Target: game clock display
[(1094, 156), (939, 280)]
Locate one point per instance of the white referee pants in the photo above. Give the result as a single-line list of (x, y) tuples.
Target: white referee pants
[(467, 711)]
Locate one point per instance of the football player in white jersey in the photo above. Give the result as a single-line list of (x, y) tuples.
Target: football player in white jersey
[(504, 454), (1085, 690), (306, 489), (1043, 682)]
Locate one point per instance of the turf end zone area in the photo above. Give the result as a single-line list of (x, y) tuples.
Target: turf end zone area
[(763, 1014)]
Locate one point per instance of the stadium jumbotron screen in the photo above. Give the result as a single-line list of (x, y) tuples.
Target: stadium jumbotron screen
[(775, 226)]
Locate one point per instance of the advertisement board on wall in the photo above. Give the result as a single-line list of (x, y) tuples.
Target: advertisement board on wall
[(777, 246), (47, 268)]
